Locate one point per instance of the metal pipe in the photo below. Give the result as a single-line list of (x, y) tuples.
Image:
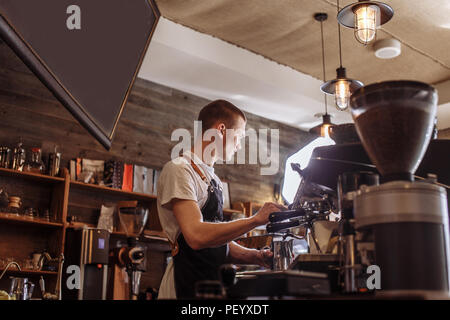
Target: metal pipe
[(7, 266)]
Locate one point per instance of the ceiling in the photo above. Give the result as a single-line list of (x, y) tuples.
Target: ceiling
[(266, 55)]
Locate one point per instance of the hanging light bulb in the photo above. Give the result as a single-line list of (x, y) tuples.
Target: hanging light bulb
[(341, 87), (342, 94), (365, 17), (367, 20), (326, 124), (323, 129)]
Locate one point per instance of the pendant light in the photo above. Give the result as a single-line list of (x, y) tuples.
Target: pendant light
[(323, 128), (365, 17), (341, 87)]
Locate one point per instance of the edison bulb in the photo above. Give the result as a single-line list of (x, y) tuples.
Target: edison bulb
[(342, 94), (367, 20), (325, 131)]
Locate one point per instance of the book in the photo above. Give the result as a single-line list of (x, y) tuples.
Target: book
[(117, 175), (72, 170), (92, 171), (108, 173), (139, 178), (148, 183), (78, 168), (143, 180), (155, 181), (127, 181)]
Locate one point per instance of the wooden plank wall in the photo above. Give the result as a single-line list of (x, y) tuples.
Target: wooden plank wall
[(153, 111)]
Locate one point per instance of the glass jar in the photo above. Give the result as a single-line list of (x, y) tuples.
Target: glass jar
[(19, 156), (36, 165), (5, 157)]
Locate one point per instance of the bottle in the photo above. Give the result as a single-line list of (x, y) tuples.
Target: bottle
[(54, 160), (36, 165), (19, 157)]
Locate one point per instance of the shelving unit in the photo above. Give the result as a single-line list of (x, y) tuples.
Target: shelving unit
[(21, 236), (18, 220), (30, 176), (118, 192), (29, 272)]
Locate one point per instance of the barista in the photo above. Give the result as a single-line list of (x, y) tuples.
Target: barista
[(190, 207)]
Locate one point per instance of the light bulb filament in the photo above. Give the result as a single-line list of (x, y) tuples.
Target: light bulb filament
[(325, 131), (342, 94)]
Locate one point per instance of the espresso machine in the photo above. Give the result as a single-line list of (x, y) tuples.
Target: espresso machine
[(406, 219), (312, 204), (390, 219), (87, 249)]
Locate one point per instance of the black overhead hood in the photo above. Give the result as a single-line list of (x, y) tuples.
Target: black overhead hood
[(88, 53)]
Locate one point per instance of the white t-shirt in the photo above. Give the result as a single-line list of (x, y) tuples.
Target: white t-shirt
[(178, 180)]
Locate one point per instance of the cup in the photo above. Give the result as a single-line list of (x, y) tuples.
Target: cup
[(283, 253), (35, 261), (21, 288)]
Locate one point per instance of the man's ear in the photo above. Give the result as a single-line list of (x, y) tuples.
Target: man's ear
[(221, 128)]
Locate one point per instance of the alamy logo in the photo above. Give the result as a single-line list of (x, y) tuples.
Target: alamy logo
[(224, 146), (73, 21), (73, 281), (374, 280)]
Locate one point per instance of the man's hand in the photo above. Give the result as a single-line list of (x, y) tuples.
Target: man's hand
[(262, 216), (264, 258)]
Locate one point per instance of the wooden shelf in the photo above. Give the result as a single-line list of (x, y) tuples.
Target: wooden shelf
[(113, 191), (30, 272), (146, 235), (5, 217), (30, 176)]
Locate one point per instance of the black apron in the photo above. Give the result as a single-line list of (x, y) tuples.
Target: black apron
[(191, 266)]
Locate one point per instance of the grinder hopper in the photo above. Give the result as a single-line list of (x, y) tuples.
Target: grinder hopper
[(394, 120)]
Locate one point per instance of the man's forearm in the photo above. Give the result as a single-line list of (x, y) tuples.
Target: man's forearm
[(217, 234), (241, 255), (200, 234)]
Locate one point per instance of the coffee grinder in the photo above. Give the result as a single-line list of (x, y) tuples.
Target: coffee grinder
[(353, 249), (133, 219), (407, 219)]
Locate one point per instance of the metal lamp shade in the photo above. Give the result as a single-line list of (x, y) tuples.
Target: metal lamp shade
[(346, 15)]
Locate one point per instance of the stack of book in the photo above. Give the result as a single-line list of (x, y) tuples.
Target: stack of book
[(115, 174)]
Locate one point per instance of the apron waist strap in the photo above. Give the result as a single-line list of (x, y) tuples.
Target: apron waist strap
[(175, 248)]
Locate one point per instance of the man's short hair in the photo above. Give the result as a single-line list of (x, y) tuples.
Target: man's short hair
[(220, 111)]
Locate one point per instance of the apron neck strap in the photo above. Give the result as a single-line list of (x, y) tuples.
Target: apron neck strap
[(196, 169)]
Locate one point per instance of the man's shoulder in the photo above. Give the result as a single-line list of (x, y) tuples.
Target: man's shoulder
[(178, 164)]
